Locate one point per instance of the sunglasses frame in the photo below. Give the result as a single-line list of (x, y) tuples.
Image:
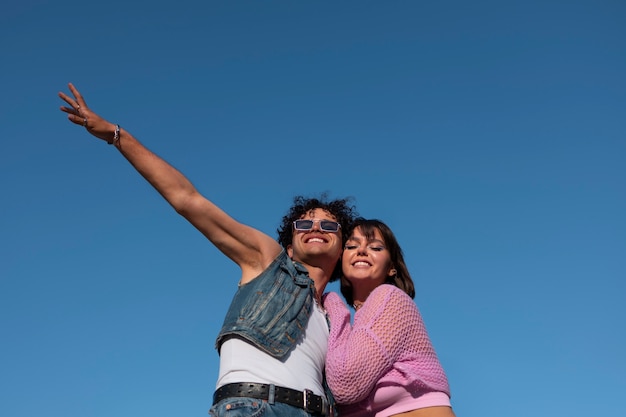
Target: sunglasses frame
[(320, 222)]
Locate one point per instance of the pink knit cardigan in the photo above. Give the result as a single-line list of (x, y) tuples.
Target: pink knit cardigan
[(387, 345)]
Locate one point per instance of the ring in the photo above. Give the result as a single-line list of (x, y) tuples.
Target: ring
[(78, 108), (85, 122)]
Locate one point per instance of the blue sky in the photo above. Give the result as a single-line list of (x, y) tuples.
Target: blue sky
[(491, 137)]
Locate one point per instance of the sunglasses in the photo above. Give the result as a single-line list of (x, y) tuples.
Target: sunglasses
[(325, 225)]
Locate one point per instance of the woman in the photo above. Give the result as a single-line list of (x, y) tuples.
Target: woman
[(384, 364)]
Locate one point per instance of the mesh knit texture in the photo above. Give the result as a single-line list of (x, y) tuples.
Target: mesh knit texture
[(388, 344)]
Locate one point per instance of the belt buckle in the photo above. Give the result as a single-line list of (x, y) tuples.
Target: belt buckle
[(327, 409), (306, 401)]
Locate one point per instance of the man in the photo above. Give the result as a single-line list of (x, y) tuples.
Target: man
[(273, 342)]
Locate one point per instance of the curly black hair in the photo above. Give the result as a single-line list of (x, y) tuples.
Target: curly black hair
[(342, 209)]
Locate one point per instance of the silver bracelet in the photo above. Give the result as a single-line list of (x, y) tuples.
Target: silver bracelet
[(116, 136)]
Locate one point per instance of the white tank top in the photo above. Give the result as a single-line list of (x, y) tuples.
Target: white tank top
[(302, 369)]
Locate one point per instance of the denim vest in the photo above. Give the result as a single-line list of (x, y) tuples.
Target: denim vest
[(272, 310)]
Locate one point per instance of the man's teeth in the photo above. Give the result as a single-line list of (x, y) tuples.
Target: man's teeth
[(316, 239)]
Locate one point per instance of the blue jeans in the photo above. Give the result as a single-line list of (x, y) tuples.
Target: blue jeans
[(252, 407)]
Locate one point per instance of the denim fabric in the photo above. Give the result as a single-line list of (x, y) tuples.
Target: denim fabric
[(251, 407), (272, 310)]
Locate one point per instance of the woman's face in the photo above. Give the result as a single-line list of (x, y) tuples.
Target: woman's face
[(366, 263)]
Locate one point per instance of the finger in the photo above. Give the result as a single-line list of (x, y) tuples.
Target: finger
[(76, 110), (68, 110), (78, 120), (79, 98), (68, 100)]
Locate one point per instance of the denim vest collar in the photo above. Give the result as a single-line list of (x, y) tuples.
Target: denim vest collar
[(271, 311)]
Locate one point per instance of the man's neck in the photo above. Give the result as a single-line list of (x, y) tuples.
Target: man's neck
[(320, 276)]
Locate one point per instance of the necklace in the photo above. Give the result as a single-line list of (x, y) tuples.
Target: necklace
[(317, 297), (357, 305)]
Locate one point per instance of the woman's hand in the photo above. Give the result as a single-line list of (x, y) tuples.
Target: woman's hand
[(80, 114)]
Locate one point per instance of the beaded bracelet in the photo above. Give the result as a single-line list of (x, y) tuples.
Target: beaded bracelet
[(116, 136)]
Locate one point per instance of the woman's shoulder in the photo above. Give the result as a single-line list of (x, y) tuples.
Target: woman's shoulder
[(388, 294), (389, 307), (331, 297), (389, 290)]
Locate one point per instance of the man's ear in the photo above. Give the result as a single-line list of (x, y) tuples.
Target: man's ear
[(289, 251)]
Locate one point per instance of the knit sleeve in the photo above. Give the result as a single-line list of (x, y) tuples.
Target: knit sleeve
[(359, 355)]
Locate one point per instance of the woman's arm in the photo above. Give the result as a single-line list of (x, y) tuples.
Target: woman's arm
[(358, 356)]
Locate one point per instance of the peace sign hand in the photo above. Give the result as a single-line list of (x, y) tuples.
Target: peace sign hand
[(80, 114)]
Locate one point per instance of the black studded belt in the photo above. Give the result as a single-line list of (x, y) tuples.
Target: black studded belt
[(306, 400)]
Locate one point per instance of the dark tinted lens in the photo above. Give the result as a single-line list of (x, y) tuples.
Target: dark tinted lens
[(303, 224), (328, 226)]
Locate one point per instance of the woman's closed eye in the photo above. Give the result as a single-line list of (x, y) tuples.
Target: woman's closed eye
[(373, 247)]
